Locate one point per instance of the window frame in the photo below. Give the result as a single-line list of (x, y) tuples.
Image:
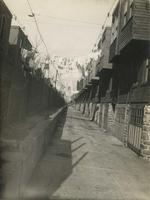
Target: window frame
[(128, 12)]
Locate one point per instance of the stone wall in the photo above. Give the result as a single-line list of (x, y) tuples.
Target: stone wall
[(82, 107), (145, 138), (97, 113), (87, 109), (111, 117), (23, 149), (24, 94), (103, 116), (116, 119)]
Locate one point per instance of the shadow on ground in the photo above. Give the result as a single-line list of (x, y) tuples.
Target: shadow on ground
[(55, 166)]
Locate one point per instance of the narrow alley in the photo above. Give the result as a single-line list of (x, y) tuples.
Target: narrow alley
[(75, 100), (85, 162)]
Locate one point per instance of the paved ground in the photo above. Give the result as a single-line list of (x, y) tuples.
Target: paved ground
[(86, 163)]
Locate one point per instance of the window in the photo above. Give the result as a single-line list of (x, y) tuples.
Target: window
[(103, 37), (125, 11), (137, 116), (115, 23), (110, 84), (2, 26), (144, 72), (114, 30), (125, 7), (113, 19), (130, 9), (131, 2), (147, 4)]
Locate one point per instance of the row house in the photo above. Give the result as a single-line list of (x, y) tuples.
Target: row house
[(5, 24), (92, 89), (130, 57), (95, 94), (81, 97), (105, 81), (123, 97)]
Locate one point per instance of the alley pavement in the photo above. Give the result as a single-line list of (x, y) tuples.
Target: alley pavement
[(85, 163)]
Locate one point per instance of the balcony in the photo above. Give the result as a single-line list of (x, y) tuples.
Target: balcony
[(126, 35), (136, 30)]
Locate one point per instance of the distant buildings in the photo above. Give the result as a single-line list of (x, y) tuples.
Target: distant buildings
[(69, 75)]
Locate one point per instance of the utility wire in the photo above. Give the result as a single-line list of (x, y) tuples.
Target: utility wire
[(37, 26), (38, 29), (68, 24), (67, 19), (18, 22), (23, 28)]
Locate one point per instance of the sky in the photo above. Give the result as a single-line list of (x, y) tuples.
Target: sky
[(69, 27)]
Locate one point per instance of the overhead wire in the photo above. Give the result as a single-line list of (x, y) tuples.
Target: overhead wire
[(40, 34), (91, 27), (67, 19), (37, 26), (17, 20)]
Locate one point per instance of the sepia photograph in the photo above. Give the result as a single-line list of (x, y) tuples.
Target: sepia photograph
[(74, 99)]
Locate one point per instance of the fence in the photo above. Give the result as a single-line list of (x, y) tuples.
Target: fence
[(135, 127), (25, 92)]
